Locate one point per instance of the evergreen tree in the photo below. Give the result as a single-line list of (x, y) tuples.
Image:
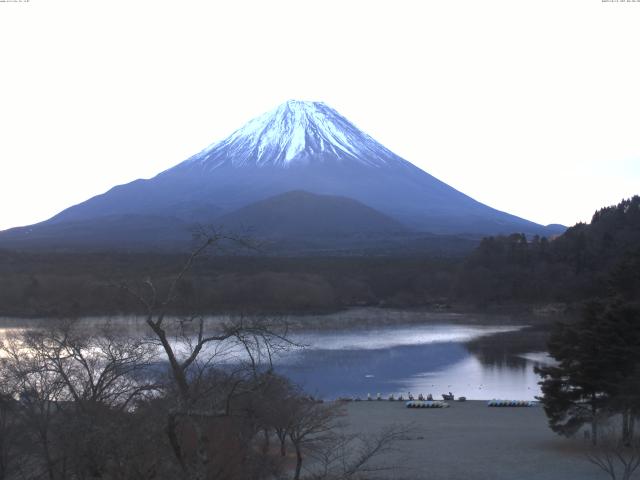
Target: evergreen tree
[(597, 372), (573, 390)]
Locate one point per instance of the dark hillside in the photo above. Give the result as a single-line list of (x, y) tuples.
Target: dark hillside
[(584, 262), (588, 261)]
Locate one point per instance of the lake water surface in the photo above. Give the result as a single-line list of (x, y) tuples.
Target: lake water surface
[(434, 357), (413, 358)]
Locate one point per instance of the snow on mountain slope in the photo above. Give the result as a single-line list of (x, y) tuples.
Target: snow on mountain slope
[(293, 133), (297, 146)]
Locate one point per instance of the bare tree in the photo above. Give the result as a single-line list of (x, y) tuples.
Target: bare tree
[(98, 367), (280, 411), (615, 454), (11, 435), (191, 350), (193, 399), (311, 425), (39, 391), (74, 388), (352, 456)]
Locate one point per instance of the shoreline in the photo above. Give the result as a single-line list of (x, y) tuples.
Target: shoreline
[(350, 318)]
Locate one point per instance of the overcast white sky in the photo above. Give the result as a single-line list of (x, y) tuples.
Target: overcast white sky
[(532, 107)]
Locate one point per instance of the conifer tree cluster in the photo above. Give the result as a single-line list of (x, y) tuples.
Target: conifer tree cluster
[(597, 375)]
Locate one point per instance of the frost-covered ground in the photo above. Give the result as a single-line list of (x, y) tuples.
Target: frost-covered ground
[(472, 441)]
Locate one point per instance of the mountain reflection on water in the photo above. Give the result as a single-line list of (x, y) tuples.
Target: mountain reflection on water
[(432, 359)]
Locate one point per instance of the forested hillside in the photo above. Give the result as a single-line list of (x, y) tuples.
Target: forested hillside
[(587, 260)]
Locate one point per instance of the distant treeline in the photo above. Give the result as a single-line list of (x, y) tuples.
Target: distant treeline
[(81, 284), (585, 262)]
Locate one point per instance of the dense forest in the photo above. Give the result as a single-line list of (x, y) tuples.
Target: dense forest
[(67, 284), (588, 260)]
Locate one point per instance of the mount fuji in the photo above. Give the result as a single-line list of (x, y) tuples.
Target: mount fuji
[(303, 147)]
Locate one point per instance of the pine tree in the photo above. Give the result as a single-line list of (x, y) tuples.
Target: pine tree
[(597, 372)]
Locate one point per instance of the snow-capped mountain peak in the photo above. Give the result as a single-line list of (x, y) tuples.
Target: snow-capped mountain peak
[(295, 132), (303, 147)]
